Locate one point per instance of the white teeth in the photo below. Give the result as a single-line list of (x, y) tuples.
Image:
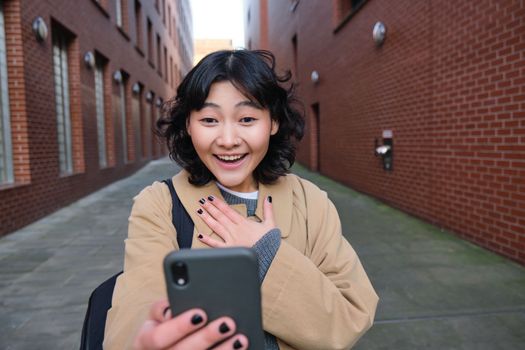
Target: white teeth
[(230, 158)]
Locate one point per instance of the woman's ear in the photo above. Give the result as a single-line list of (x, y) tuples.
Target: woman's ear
[(275, 127), (188, 126)]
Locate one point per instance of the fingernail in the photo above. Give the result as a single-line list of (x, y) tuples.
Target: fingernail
[(223, 328), (196, 319), (211, 198), (199, 211), (200, 236), (165, 313), (237, 344), (270, 199), (201, 201)]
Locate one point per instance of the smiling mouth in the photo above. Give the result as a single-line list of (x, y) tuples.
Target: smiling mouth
[(230, 159)]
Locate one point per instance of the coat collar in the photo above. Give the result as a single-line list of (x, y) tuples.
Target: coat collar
[(281, 192)]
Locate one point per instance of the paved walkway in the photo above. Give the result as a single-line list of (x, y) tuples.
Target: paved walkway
[(437, 291)]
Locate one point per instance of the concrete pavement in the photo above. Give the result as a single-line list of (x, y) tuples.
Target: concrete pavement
[(437, 291)]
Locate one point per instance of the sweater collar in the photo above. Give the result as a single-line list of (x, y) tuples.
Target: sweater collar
[(280, 191)]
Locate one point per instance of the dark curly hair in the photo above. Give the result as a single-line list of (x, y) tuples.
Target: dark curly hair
[(253, 74)]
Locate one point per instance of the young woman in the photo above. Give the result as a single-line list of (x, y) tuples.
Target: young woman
[(233, 127)]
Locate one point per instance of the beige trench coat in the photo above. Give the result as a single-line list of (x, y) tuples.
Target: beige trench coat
[(316, 294)]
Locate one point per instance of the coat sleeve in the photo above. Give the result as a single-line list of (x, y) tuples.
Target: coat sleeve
[(322, 299), (151, 236)]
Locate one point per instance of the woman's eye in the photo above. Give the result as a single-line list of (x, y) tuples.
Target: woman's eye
[(246, 120), (208, 120)]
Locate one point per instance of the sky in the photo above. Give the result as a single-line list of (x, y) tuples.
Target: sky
[(218, 19)]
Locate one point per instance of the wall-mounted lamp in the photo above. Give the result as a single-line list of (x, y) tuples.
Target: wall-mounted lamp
[(294, 4), (314, 76), (386, 150), (40, 29), (379, 33), (159, 102), (117, 76), (136, 88), (89, 59), (149, 96)]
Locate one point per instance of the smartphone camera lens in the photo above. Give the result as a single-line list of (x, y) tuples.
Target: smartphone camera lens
[(180, 273)]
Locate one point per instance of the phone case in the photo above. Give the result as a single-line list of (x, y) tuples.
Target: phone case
[(222, 282)]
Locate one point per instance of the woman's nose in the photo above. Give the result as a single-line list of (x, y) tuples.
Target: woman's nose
[(229, 137)]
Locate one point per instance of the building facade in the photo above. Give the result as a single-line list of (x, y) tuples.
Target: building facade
[(81, 85), (204, 47), (444, 93)]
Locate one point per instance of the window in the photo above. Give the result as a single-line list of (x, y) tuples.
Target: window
[(165, 64), (138, 24), (172, 83), (148, 119), (121, 16), (139, 127), (6, 157), (101, 118), (62, 101), (118, 12), (169, 21), (164, 12), (294, 56), (159, 57), (123, 120), (150, 41)]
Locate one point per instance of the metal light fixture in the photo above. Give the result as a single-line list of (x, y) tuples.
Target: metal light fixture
[(117, 76), (136, 88), (89, 59), (149, 96), (294, 4), (379, 33), (40, 29), (315, 77)]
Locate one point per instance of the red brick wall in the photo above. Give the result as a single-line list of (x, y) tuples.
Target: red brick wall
[(39, 189), (449, 81)]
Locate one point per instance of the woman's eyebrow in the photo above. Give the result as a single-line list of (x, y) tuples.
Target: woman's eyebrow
[(248, 103), (210, 104), (245, 103)]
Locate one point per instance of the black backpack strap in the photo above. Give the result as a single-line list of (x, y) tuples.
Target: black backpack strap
[(95, 320), (100, 299), (180, 218)]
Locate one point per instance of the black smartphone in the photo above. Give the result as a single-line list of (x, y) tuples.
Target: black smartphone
[(222, 282)]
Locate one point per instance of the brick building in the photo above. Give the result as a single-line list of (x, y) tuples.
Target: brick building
[(81, 83), (446, 88), (203, 47)]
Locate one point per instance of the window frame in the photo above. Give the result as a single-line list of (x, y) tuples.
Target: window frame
[(62, 102), (7, 175), (99, 76)]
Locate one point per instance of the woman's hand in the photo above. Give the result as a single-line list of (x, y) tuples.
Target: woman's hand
[(186, 331), (234, 229)]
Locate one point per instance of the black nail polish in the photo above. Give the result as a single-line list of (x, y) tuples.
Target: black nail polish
[(270, 199), (223, 328), (201, 201), (237, 344), (196, 319), (211, 198), (199, 211), (200, 236)]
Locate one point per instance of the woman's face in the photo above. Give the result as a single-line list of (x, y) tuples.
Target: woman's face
[(231, 136)]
